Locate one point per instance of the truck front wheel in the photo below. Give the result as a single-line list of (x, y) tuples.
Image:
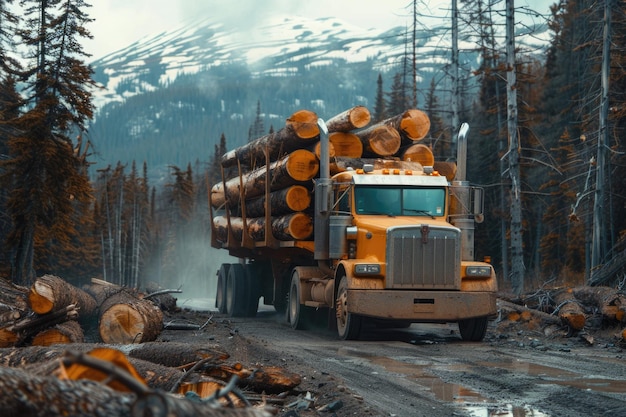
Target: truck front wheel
[(348, 324), (473, 330)]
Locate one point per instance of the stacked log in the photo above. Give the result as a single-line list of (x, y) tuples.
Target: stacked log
[(270, 195)]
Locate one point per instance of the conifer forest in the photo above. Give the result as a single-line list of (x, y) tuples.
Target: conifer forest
[(547, 144)]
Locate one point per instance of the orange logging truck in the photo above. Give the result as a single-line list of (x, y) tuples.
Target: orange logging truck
[(360, 229)]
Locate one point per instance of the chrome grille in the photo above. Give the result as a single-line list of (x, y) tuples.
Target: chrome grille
[(423, 257)]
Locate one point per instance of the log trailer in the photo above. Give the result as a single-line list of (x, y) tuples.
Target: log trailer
[(388, 242)]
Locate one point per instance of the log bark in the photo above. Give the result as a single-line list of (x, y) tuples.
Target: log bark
[(288, 200), (161, 297), (294, 226), (50, 293), (569, 309), (299, 166), (125, 319), (13, 297), (62, 333), (300, 131), (346, 144), (413, 125), (354, 118), (379, 140), (419, 153)]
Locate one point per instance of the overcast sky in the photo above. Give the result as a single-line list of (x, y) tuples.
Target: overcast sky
[(118, 23)]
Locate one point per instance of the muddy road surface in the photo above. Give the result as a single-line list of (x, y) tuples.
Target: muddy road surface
[(426, 370)]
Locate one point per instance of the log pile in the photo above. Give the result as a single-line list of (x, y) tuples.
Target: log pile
[(277, 171), (51, 371), (53, 311), (570, 311)]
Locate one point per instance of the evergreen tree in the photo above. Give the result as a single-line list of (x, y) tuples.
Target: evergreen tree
[(398, 101), (257, 129), (379, 107)]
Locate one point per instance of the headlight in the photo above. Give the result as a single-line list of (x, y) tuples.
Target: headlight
[(478, 271), (366, 269)]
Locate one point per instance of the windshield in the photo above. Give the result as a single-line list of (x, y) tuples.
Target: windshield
[(400, 201)]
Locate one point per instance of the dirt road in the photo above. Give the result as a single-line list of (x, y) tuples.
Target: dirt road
[(426, 370)]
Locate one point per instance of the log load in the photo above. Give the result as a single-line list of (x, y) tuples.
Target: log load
[(419, 153), (125, 318), (294, 226), (354, 118), (341, 164), (346, 144), (288, 200), (300, 131), (379, 140), (299, 166), (413, 125), (50, 293)]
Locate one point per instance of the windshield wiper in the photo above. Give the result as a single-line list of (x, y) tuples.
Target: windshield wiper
[(424, 212)]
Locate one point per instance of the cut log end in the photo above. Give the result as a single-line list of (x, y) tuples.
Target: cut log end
[(415, 124), (298, 198), (419, 153), (302, 165), (346, 144), (41, 298), (304, 124), (300, 226)]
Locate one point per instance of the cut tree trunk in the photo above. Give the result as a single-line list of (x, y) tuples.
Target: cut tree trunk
[(294, 226), (419, 153), (300, 131), (569, 309), (413, 125), (125, 318), (50, 293), (299, 166), (354, 118), (62, 333), (379, 140), (288, 200), (346, 144)]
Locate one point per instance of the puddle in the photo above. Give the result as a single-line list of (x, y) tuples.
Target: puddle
[(503, 411), (561, 377)]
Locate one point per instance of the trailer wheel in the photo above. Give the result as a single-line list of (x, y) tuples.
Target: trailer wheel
[(473, 330), (235, 291), (252, 282), (348, 324), (298, 315), (222, 276)]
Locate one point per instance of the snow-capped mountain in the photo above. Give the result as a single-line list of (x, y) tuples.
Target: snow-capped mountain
[(168, 98)]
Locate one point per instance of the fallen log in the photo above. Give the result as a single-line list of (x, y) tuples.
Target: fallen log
[(569, 309), (161, 296), (18, 332), (300, 131), (413, 125), (50, 293), (125, 318), (299, 166), (288, 200), (608, 301), (354, 118), (379, 140), (62, 333)]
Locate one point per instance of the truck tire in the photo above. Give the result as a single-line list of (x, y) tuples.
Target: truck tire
[(252, 281), (220, 299), (236, 293), (348, 324), (298, 315), (473, 330)]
